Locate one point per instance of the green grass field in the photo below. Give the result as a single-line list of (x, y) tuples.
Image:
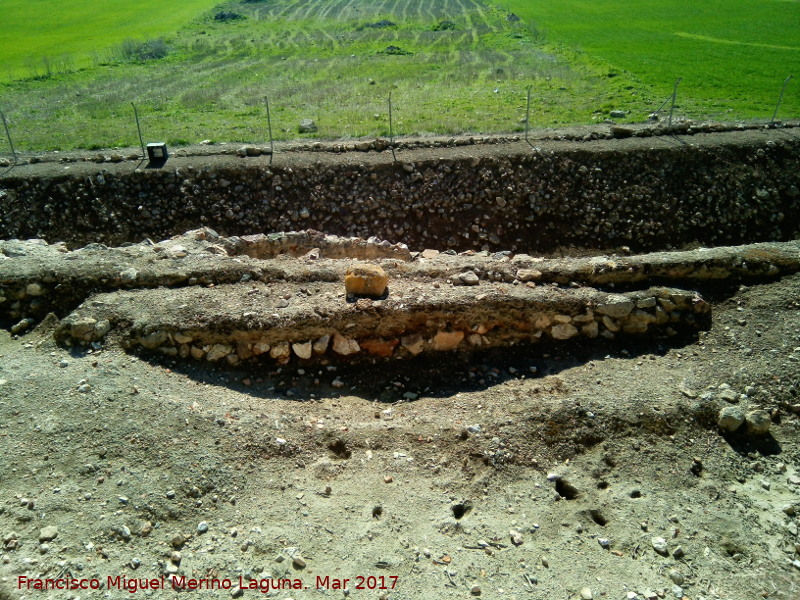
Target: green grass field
[(733, 55), (65, 34), (69, 83)]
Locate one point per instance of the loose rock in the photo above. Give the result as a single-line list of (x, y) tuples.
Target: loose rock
[(22, 326), (49, 533), (660, 546), (676, 577), (758, 422), (299, 562), (467, 278), (366, 280), (730, 418), (307, 126)]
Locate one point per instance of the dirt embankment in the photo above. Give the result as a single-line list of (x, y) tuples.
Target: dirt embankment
[(647, 193)]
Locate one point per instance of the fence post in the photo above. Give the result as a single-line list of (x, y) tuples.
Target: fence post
[(674, 97), (8, 135), (139, 129), (269, 128), (528, 115), (391, 129), (780, 99)]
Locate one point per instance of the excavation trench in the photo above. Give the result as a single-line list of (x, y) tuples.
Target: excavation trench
[(489, 212), (280, 298), (647, 193)]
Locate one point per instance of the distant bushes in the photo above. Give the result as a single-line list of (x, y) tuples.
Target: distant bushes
[(394, 51), (140, 51), (444, 26), (225, 16), (382, 24)]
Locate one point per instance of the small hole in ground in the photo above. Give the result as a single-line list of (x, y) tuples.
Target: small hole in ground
[(460, 510), (340, 449), (598, 517), (377, 512), (602, 485), (566, 490)]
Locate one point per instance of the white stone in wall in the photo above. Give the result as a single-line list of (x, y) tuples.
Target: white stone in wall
[(281, 350), (153, 340), (661, 316), (321, 345), (244, 350), (182, 338), (260, 347), (646, 303), (563, 331), (413, 343), (34, 289), (616, 307), (344, 346), (610, 324), (218, 351), (525, 275), (590, 330), (302, 350)]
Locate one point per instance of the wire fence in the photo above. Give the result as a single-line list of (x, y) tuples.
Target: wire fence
[(147, 122)]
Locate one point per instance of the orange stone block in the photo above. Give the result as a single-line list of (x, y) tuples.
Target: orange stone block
[(366, 280), (379, 347), (447, 340)]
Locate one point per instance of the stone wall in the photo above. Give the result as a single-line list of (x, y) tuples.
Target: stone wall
[(671, 195), (326, 329)]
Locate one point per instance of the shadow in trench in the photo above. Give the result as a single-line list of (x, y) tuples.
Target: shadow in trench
[(392, 381)]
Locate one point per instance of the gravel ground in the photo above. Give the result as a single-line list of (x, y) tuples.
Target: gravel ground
[(495, 481)]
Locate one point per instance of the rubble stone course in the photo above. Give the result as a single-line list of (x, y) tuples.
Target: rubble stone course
[(645, 193), (201, 295)]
